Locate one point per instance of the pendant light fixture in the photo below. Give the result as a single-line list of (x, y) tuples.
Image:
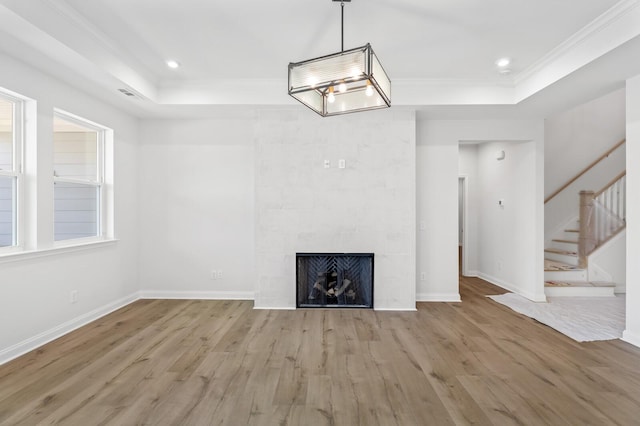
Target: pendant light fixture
[(348, 81)]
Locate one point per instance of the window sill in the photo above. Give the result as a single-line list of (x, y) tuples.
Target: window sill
[(14, 256)]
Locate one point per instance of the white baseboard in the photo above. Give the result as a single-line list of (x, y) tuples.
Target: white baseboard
[(632, 338), (36, 341), (197, 295), (508, 286), (438, 297), (395, 309), (275, 308)]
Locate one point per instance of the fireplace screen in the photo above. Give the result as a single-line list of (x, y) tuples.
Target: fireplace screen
[(343, 280)]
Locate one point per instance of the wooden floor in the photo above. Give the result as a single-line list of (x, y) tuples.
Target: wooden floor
[(221, 362)]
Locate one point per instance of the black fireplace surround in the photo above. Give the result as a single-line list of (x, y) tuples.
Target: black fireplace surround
[(334, 280)]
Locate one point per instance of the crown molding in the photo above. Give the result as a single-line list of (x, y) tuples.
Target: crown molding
[(589, 33), (54, 28), (63, 9)]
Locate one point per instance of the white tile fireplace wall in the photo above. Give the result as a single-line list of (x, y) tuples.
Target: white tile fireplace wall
[(306, 202)]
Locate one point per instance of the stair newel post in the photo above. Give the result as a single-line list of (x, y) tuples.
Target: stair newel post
[(587, 238)]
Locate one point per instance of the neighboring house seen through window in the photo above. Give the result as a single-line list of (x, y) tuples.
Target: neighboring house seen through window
[(78, 158), (10, 169)]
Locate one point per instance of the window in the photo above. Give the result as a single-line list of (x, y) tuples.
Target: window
[(78, 210), (78, 162), (10, 169)]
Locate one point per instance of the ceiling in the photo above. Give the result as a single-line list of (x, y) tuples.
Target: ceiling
[(440, 54)]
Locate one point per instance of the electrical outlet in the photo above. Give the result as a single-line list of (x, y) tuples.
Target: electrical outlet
[(219, 275), (214, 274), (73, 296), (423, 276)]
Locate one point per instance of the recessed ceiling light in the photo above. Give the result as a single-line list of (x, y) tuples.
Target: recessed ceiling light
[(503, 62), (173, 64)]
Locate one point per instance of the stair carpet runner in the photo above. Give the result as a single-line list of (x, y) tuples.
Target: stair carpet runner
[(563, 276)]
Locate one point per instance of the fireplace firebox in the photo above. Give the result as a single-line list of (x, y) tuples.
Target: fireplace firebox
[(340, 280)]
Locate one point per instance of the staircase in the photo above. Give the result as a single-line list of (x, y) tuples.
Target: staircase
[(601, 216), (563, 275)]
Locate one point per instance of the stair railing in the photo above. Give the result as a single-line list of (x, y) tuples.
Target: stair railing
[(602, 216), (585, 170)]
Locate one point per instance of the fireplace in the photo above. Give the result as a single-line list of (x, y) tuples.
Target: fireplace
[(334, 280)]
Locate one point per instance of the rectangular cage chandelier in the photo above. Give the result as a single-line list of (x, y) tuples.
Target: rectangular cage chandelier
[(348, 81)]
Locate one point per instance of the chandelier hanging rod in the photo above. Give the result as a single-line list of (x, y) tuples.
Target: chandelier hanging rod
[(342, 22), (342, 26)]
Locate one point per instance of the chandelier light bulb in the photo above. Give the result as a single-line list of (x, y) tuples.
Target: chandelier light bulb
[(503, 62), (331, 98), (369, 91), (342, 87)]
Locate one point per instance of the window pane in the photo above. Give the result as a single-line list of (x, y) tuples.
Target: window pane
[(76, 210), (6, 135), (75, 150), (7, 211)]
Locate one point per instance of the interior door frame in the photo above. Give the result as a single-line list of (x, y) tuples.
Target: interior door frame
[(464, 179)]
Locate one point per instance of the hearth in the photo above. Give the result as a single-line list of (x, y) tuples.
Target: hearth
[(340, 280)]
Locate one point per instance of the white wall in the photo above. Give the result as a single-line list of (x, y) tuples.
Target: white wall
[(632, 331), (200, 180), (178, 261), (438, 168), (369, 206), (598, 125), (461, 185), (608, 263), (437, 207), (35, 304), (197, 207), (506, 244)]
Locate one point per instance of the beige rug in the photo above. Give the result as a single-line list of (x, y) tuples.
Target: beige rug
[(583, 319)]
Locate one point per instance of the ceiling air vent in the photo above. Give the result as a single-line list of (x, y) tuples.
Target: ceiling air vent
[(131, 93)]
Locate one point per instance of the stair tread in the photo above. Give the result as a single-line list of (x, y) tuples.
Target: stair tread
[(560, 251), (590, 284), (565, 241), (554, 265), (572, 230)]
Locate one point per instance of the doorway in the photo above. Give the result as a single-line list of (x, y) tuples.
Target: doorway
[(462, 202)]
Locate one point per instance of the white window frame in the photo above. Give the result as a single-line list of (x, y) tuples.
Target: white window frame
[(98, 183), (17, 173)]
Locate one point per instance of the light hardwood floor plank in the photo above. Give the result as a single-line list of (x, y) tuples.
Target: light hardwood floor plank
[(181, 362)]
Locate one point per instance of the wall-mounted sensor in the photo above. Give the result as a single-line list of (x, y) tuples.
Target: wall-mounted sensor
[(500, 155)]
